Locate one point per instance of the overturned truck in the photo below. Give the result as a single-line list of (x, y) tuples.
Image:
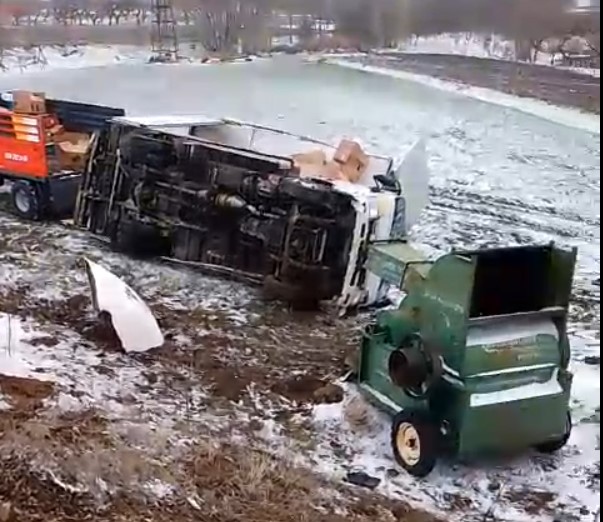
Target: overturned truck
[(232, 198)]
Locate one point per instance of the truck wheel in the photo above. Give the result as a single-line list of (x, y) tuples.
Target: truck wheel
[(415, 442), (26, 201), (554, 446), (139, 240)]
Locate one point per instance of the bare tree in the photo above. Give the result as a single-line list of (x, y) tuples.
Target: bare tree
[(219, 22), (589, 26), (27, 12), (63, 11), (372, 23)]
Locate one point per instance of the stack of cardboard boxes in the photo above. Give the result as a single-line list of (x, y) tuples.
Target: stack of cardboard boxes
[(69, 149), (349, 163)]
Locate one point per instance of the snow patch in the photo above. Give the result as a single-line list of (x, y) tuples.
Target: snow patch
[(15, 361), (30, 61)]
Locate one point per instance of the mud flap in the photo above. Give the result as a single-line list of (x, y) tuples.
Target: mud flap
[(62, 195), (413, 175)]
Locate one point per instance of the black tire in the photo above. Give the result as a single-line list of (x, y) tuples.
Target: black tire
[(25, 200), (553, 446), (416, 428), (139, 240)]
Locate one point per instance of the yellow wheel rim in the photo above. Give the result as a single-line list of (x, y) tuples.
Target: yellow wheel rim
[(408, 443)]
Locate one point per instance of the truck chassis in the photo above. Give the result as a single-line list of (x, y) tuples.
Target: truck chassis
[(231, 210)]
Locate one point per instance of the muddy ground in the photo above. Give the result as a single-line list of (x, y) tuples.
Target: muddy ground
[(553, 85), (218, 425), (244, 399), (175, 434)]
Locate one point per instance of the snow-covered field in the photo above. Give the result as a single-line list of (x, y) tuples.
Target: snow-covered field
[(247, 372)]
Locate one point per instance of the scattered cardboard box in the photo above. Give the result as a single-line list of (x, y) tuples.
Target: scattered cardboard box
[(314, 164), (314, 157), (329, 171), (349, 163), (72, 150), (352, 159)]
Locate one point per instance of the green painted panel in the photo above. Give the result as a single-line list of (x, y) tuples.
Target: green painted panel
[(390, 260)]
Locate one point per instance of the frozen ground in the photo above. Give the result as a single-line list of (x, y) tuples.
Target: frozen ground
[(239, 370), (20, 61), (480, 46), (563, 115)]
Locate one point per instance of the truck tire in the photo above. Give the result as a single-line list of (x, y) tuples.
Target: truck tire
[(553, 446), (139, 240), (415, 444), (25, 199)]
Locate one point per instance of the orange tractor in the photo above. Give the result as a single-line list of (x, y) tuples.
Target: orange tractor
[(44, 149)]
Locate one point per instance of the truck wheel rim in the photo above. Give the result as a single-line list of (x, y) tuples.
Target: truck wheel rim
[(22, 202), (409, 444)]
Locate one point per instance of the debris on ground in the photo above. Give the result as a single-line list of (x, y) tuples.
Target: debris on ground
[(120, 306), (363, 480)]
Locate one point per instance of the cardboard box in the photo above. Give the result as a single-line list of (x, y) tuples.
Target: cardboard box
[(351, 172), (72, 150), (330, 171), (26, 102), (80, 139), (353, 160), (315, 157)]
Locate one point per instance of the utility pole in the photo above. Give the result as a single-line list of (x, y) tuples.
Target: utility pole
[(164, 32)]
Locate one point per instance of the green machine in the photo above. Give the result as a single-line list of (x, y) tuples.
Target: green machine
[(475, 360)]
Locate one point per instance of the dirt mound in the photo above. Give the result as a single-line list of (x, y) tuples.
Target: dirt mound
[(224, 483), (239, 485), (25, 393)]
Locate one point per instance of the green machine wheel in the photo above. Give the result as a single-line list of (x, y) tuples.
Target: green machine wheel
[(415, 442)]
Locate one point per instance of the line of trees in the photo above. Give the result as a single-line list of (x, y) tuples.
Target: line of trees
[(95, 12), (369, 23)]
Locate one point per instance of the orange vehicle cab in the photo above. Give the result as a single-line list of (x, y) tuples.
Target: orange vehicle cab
[(44, 147)]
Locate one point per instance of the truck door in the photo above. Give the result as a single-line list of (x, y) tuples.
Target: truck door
[(413, 176)]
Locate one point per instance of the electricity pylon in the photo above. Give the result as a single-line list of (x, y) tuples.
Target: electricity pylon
[(164, 32)]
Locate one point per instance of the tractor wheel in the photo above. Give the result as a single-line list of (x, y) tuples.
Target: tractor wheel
[(554, 446), (25, 201), (415, 442)]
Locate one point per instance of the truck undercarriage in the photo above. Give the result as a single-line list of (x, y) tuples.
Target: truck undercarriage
[(233, 211)]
